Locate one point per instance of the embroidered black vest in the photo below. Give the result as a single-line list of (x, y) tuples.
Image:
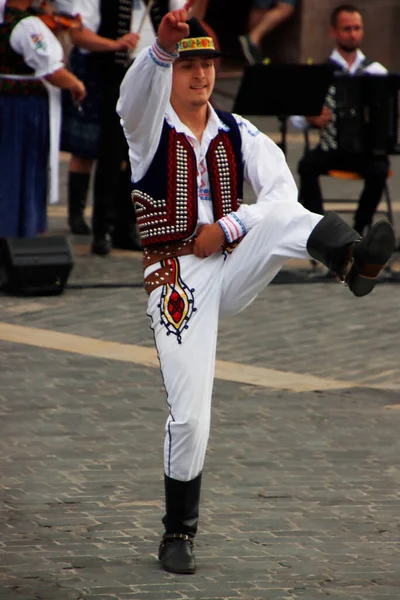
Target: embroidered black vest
[(166, 197), (329, 133), (115, 21), (12, 63), (158, 10)]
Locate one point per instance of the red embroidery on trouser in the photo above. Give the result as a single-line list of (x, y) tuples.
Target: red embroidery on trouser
[(176, 302)]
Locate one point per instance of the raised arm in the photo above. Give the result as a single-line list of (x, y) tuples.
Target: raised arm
[(146, 89)]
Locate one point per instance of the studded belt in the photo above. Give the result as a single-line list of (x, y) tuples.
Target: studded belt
[(161, 252)]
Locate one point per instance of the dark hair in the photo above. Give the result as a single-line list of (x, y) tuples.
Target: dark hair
[(342, 8)]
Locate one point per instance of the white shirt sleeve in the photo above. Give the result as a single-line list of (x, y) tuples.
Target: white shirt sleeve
[(376, 68), (40, 48), (176, 4), (66, 6), (88, 9), (299, 122), (144, 97), (266, 170)]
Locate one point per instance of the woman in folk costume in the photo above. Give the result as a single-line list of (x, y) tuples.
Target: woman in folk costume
[(31, 69)]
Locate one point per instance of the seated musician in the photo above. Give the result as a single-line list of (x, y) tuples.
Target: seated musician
[(347, 31)]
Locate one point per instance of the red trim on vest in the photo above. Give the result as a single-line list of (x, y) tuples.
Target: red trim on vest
[(175, 218), (222, 170)]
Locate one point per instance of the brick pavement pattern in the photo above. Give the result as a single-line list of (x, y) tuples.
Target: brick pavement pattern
[(301, 490)]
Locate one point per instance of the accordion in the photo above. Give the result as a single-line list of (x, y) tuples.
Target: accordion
[(367, 113)]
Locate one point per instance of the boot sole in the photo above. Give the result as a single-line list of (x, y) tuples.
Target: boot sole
[(180, 571), (370, 256)]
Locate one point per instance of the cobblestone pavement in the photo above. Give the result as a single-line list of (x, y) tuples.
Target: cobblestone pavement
[(301, 490)]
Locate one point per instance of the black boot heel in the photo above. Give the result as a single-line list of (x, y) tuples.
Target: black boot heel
[(369, 256), (356, 261)]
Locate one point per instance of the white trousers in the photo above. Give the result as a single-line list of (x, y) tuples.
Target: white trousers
[(184, 319)]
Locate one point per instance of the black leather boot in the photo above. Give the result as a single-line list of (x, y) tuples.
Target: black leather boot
[(101, 244), (356, 261), (181, 521), (78, 185), (127, 239)]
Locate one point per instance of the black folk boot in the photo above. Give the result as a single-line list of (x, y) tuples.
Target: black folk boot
[(78, 185), (182, 514), (356, 261)]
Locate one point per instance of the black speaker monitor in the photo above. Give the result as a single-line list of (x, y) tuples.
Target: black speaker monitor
[(37, 266)]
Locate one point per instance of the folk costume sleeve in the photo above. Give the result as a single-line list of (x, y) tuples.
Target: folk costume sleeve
[(89, 11), (144, 97), (266, 170), (39, 47)]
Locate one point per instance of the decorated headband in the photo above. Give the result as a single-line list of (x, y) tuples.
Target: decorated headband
[(199, 43)]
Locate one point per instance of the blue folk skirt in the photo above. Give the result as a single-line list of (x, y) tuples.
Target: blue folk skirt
[(24, 153)]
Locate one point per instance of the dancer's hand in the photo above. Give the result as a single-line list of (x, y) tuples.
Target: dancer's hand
[(210, 239), (173, 28)]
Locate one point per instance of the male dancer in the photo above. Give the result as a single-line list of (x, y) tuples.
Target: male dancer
[(206, 254)]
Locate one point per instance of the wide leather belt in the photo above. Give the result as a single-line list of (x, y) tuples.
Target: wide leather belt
[(161, 252)]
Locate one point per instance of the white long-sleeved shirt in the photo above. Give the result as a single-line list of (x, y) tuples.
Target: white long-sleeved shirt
[(144, 103)]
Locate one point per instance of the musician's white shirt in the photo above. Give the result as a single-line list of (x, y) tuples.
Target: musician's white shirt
[(143, 105), (374, 68), (90, 13)]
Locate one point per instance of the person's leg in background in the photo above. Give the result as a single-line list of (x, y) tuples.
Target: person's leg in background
[(106, 178), (124, 234), (375, 171), (78, 187), (80, 137), (265, 16), (113, 212), (314, 163)]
